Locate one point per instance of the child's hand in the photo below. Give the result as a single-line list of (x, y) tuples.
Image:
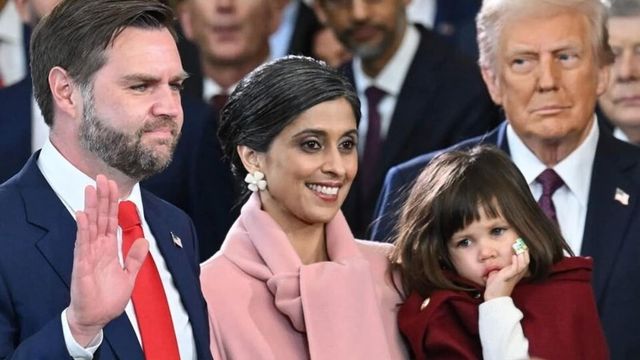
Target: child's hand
[(501, 283)]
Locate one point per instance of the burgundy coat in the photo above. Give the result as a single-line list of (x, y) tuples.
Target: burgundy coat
[(560, 318)]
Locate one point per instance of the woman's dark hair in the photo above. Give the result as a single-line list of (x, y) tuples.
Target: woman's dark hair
[(271, 97), (448, 196)]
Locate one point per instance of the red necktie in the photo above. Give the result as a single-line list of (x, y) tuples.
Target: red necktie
[(149, 300), (373, 142), (550, 181), (218, 102)]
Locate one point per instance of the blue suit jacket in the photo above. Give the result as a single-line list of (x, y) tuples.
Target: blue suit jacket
[(431, 113), (455, 19), (196, 181), (611, 234), (37, 236)]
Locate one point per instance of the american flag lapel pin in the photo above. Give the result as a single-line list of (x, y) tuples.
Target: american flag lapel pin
[(176, 240), (621, 196)]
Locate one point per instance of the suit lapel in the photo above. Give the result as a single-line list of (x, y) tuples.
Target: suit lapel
[(119, 335), (177, 260), (607, 219), (499, 137), (414, 101), (45, 210)]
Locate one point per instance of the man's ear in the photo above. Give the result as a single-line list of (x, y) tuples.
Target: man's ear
[(320, 13), (62, 91), (249, 157), (493, 84)]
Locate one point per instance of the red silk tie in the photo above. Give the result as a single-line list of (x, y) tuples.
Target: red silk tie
[(149, 300), (550, 181), (218, 102)]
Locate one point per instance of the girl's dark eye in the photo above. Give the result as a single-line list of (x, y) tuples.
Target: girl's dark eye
[(463, 243)]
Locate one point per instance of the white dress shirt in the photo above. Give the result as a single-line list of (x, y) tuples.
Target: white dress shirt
[(422, 12), (39, 129), (13, 62), (69, 183), (211, 88), (280, 40), (620, 135), (570, 199), (390, 80)]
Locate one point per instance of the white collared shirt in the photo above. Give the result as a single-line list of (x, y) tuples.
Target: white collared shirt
[(69, 183), (211, 88), (570, 199), (280, 40), (390, 80), (39, 129), (620, 135), (13, 62), (422, 12)]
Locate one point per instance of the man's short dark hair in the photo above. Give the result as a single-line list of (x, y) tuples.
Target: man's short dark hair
[(76, 34)]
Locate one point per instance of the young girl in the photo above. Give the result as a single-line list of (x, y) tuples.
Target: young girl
[(485, 270)]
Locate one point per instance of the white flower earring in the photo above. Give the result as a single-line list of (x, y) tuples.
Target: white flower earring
[(255, 181)]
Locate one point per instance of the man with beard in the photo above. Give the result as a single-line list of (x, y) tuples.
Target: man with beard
[(417, 93), (107, 77)]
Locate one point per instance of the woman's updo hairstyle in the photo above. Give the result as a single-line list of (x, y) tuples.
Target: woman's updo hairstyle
[(271, 97)]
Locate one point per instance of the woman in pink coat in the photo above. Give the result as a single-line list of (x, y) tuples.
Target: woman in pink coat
[(290, 281)]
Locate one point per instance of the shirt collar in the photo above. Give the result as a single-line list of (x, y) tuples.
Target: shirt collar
[(575, 169), (619, 134), (211, 88), (68, 182), (280, 40), (394, 72), (10, 24)]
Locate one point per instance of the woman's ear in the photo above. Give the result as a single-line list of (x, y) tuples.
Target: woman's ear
[(249, 158)]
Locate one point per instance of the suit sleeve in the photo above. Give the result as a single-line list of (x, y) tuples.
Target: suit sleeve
[(47, 343), (394, 191)]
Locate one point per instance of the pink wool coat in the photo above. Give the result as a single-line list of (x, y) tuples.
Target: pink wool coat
[(265, 304)]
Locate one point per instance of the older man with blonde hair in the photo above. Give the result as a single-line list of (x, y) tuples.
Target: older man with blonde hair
[(545, 63)]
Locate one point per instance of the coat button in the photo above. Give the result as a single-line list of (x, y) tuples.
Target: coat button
[(424, 303)]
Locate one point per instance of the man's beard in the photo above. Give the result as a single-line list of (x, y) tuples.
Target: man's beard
[(122, 151), (373, 51), (365, 51)]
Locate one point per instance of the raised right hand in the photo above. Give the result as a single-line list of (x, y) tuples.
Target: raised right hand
[(100, 286)]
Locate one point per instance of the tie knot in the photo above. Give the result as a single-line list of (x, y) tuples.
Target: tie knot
[(550, 181), (128, 215), (374, 95), (219, 101)]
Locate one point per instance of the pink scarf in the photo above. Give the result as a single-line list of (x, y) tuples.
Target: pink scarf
[(335, 303)]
